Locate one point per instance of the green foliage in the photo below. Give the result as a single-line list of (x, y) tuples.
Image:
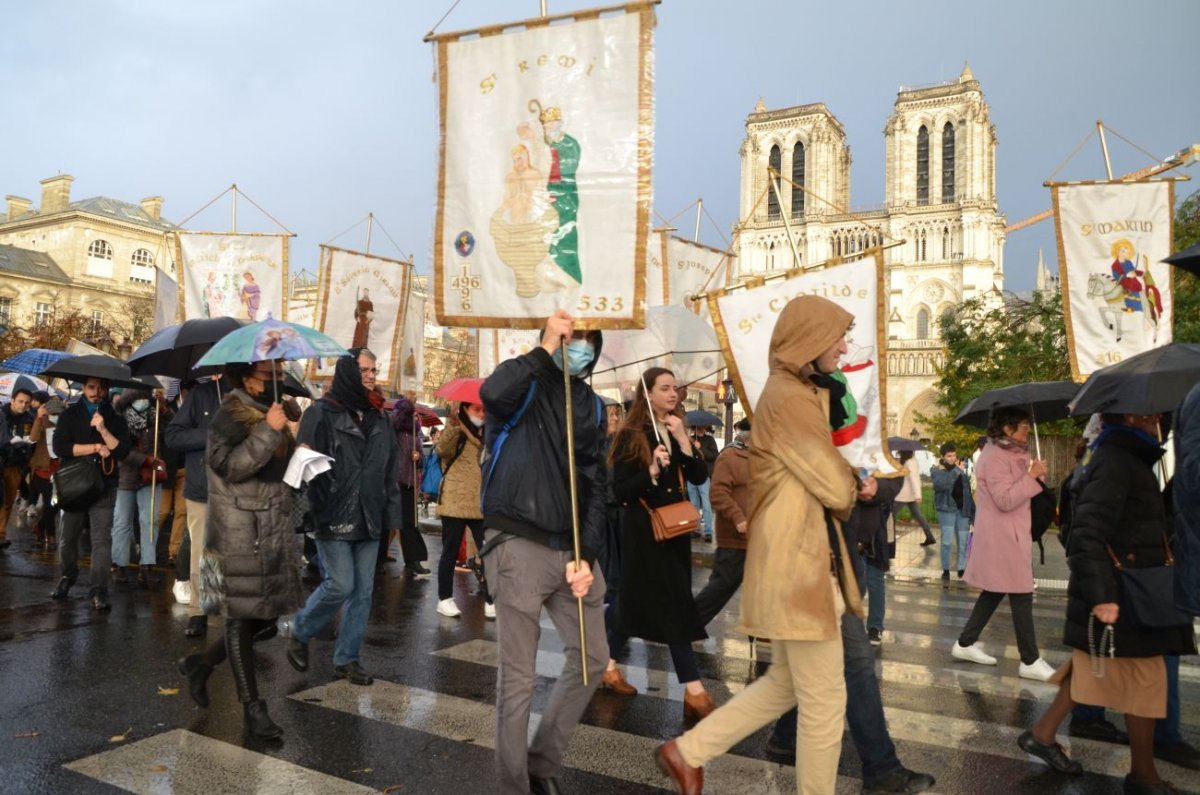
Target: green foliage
[(1187, 286)]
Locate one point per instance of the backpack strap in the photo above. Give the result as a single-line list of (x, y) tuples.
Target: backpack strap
[(502, 437)]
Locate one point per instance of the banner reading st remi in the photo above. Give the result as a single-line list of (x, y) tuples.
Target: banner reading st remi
[(745, 319), (362, 303), (544, 174), (233, 275), (1117, 298)]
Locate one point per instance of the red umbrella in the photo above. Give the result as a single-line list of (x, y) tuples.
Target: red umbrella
[(426, 417), (462, 390)]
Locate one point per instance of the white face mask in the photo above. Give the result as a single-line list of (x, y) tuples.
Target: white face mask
[(476, 421)]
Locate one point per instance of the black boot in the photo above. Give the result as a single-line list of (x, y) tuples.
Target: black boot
[(239, 645), (64, 586), (197, 674)]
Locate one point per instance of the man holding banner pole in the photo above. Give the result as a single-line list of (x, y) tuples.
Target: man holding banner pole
[(530, 549)]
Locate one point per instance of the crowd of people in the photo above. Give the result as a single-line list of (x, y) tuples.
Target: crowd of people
[(805, 537)]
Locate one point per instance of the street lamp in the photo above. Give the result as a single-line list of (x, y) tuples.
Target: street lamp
[(728, 396)]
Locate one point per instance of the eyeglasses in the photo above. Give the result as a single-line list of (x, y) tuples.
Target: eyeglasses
[(374, 370)]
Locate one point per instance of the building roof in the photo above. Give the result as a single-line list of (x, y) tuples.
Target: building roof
[(102, 206), (34, 264)]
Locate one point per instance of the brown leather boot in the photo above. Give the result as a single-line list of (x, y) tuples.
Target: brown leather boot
[(614, 680), (688, 780), (697, 706)]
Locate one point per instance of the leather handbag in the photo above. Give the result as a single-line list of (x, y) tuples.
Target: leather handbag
[(674, 519), (1148, 594), (77, 484)]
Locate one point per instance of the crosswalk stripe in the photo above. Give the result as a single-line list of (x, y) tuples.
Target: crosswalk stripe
[(185, 763)]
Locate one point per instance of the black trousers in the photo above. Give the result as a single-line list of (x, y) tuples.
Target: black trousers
[(453, 529), (728, 567), (1021, 605), (412, 543), (99, 516)]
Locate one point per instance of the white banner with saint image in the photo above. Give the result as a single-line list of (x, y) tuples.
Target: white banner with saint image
[(232, 275), (362, 302), (1118, 301), (497, 345), (412, 345)]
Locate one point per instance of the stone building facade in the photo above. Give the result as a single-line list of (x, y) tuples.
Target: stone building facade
[(939, 196), (97, 255)]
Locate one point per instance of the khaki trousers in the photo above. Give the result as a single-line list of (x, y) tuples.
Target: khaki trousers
[(10, 489), (804, 674), (173, 499), (197, 514)]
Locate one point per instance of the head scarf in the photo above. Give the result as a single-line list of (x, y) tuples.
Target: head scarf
[(348, 389)]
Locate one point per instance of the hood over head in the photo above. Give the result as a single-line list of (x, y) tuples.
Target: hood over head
[(806, 328), (594, 336)]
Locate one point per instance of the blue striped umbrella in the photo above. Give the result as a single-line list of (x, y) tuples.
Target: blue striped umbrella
[(32, 361)]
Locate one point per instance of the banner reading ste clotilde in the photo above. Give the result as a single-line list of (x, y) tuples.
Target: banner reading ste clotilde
[(745, 319), (544, 176), (1117, 297), (233, 275)]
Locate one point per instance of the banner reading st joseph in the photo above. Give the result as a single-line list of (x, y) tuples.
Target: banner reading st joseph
[(544, 174), (745, 319), (233, 275), (1117, 299), (362, 302)]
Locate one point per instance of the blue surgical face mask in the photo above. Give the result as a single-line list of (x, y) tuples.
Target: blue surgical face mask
[(579, 355), (141, 405)]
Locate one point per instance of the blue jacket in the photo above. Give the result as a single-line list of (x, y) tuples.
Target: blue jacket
[(1186, 495), (943, 485), (187, 433)]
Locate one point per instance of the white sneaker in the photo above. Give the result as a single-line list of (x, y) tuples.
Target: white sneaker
[(973, 653), (489, 610), (448, 608), (182, 589), (1039, 670)]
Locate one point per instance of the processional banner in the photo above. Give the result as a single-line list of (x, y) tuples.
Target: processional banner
[(166, 300), (689, 269), (496, 345), (544, 185), (361, 303), (1117, 297), (412, 345), (745, 319), (233, 275)]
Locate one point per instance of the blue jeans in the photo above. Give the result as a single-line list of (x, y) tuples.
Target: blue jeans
[(953, 524), (864, 706), (876, 598), (699, 497), (349, 574), (1166, 730), (122, 531)]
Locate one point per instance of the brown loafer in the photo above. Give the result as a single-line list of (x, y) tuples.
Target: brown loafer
[(688, 780), (614, 680), (698, 706)]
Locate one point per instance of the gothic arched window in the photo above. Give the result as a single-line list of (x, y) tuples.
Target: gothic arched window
[(923, 165), (774, 163), (948, 163), (797, 179), (923, 324), (945, 242)]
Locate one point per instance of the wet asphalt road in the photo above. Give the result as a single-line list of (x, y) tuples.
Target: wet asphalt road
[(88, 702)]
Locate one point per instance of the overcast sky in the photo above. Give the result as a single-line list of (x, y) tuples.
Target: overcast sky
[(322, 112)]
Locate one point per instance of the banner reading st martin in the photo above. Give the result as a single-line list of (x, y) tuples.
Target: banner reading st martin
[(544, 176), (1117, 299)]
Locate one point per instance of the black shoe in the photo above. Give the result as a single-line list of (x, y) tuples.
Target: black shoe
[(100, 603), (1050, 753), (544, 786), (297, 654), (353, 673), (1099, 730), (119, 575), (196, 627), (945, 575), (416, 570), (1179, 753), (64, 586), (929, 541), (874, 636), (708, 538), (899, 780), (197, 674), (258, 723), (5, 544), (960, 573), (1132, 787), (780, 754)]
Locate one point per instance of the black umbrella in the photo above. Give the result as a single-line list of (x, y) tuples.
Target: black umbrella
[(1154, 381), (898, 444), (1045, 401), (175, 350), (1188, 259), (699, 417), (94, 365)]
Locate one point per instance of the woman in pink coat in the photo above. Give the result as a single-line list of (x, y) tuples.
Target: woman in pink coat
[(1001, 561)]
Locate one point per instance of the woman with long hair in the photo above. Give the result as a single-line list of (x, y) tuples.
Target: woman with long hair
[(458, 502), (1001, 561), (655, 602)]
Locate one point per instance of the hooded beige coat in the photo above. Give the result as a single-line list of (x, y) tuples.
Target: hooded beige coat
[(796, 473)]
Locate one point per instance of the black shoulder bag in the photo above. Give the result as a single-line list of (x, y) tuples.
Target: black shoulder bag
[(78, 483), (1148, 594)]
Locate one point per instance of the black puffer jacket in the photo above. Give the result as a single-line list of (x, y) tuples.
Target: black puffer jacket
[(526, 490), (247, 568), (1117, 502), (361, 490)]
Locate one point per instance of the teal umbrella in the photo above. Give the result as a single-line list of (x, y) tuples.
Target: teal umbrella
[(270, 339)]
